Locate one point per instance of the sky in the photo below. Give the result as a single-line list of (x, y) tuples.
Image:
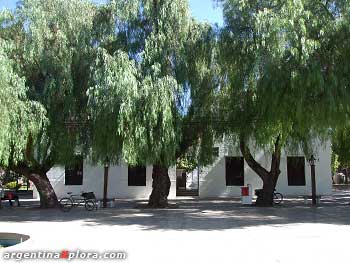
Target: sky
[(203, 10), (206, 10)]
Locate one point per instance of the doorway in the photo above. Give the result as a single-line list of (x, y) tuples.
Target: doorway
[(187, 182)]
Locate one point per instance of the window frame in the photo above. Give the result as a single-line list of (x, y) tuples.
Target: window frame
[(291, 179), (132, 181), (76, 169), (234, 181)]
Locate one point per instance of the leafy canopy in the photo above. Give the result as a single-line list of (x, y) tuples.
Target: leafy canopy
[(19, 116), (281, 74), (148, 68), (52, 50)]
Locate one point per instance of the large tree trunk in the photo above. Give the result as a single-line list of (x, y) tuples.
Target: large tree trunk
[(265, 198), (48, 198), (36, 172), (161, 187), (269, 178)]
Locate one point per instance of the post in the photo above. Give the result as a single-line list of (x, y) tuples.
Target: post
[(105, 184), (313, 184), (313, 179)]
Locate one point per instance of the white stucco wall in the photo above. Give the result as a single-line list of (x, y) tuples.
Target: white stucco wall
[(117, 182), (212, 182)]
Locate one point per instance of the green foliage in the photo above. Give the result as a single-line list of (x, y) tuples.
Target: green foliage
[(13, 186), (144, 81), (19, 116), (335, 163), (114, 89), (341, 147), (126, 79), (51, 53), (149, 119), (187, 163), (8, 176), (277, 78), (168, 61), (57, 49)]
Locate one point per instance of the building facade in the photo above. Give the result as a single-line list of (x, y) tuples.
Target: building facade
[(223, 179)]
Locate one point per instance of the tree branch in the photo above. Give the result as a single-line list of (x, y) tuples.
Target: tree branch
[(276, 159), (261, 171)]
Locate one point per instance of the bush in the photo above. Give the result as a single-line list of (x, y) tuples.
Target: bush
[(13, 186), (8, 177)]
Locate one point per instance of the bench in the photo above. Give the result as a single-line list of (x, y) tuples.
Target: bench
[(11, 197), (307, 197)]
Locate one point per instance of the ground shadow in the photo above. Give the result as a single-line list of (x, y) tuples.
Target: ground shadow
[(192, 215)]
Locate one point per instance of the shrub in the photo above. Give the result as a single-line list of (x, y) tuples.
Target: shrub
[(13, 186)]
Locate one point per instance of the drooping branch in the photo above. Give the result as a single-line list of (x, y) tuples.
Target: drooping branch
[(189, 136), (41, 167)]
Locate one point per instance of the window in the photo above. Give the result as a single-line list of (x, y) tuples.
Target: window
[(74, 173), (137, 176), (234, 171), (296, 171)]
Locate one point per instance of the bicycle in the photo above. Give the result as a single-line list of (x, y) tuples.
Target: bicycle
[(87, 199), (277, 197)]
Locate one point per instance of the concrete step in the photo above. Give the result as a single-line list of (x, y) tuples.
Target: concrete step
[(185, 192)]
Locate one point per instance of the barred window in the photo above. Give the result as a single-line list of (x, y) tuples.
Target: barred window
[(74, 173)]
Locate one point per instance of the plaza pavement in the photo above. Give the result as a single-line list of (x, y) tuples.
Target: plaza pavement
[(191, 231)]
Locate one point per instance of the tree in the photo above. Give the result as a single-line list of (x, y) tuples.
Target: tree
[(112, 80), (283, 85), (151, 58), (341, 150), (19, 116), (52, 51), (340, 145)]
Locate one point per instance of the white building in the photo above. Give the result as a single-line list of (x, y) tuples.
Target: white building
[(222, 179)]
